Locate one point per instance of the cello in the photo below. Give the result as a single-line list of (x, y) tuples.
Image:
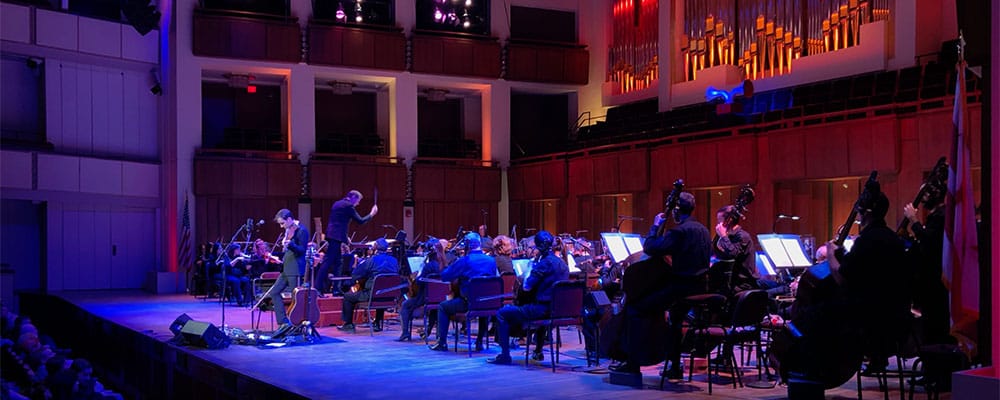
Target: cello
[(818, 345)]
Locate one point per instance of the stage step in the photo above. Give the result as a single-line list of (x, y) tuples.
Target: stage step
[(329, 311)]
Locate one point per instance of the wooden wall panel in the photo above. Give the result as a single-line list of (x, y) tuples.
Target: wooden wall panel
[(458, 184), (246, 38), (826, 151), (428, 183), (934, 133), (458, 55), (606, 174), (442, 219), (487, 184), (246, 179), (633, 171), (581, 175), (554, 179), (212, 177), (284, 179), (787, 151), (392, 182), (521, 62), (515, 182), (666, 164), (547, 63), (532, 181), (327, 181), (359, 49), (428, 54), (577, 67), (737, 161), (701, 163)]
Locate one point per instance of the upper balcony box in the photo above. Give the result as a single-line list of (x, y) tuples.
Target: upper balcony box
[(247, 35), (455, 54), (371, 46), (547, 62)]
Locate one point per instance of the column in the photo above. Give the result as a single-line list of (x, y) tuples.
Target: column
[(403, 117), (301, 110), (667, 34)]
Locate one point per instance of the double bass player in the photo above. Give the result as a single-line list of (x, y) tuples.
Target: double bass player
[(689, 246)]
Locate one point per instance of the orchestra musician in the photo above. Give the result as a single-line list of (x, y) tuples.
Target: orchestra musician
[(502, 247), (473, 264), (487, 241), (545, 272), (237, 276), (294, 240), (432, 266), (874, 282), (735, 247), (689, 246), (930, 296), (364, 278), (342, 213), (262, 259)]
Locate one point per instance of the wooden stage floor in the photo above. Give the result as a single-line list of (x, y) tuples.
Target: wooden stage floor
[(358, 366)]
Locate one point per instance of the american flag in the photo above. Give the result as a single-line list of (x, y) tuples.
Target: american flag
[(961, 255), (184, 249)]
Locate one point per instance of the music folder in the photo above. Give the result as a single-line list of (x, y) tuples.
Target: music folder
[(784, 250), (416, 264)]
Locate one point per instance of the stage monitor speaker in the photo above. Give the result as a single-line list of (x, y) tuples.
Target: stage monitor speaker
[(597, 299), (179, 324), (204, 334)]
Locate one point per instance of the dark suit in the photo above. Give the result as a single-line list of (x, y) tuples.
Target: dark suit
[(877, 289), (341, 214), (544, 275), (689, 245), (294, 259), (380, 264)]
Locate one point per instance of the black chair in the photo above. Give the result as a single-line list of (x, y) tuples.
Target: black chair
[(485, 297), (749, 309), (566, 309), (705, 310)]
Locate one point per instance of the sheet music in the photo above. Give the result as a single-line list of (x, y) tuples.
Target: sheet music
[(762, 261), (571, 263), (416, 264), (776, 251), (794, 249), (633, 242), (522, 267), (616, 245)]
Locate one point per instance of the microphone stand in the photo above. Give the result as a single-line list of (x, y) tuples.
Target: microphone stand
[(223, 256)]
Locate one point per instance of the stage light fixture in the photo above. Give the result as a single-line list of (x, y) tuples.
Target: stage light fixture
[(342, 88), (434, 94), (33, 62), (238, 81), (340, 15)]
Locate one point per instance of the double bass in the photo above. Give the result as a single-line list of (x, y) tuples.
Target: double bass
[(932, 192), (639, 280), (646, 276), (818, 345)]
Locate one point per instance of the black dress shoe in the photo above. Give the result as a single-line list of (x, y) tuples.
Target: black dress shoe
[(404, 338), (673, 373), (537, 356), (439, 347), (377, 328), (625, 368), (500, 360), (346, 328), (479, 347)]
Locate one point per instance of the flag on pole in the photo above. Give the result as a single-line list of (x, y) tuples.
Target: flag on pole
[(960, 257), (184, 248)]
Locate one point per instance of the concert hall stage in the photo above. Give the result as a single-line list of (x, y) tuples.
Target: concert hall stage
[(126, 334)]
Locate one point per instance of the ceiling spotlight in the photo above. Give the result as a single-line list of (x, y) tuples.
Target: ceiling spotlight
[(465, 20), (340, 15)]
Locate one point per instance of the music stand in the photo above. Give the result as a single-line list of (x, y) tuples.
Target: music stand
[(615, 244), (784, 250)]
